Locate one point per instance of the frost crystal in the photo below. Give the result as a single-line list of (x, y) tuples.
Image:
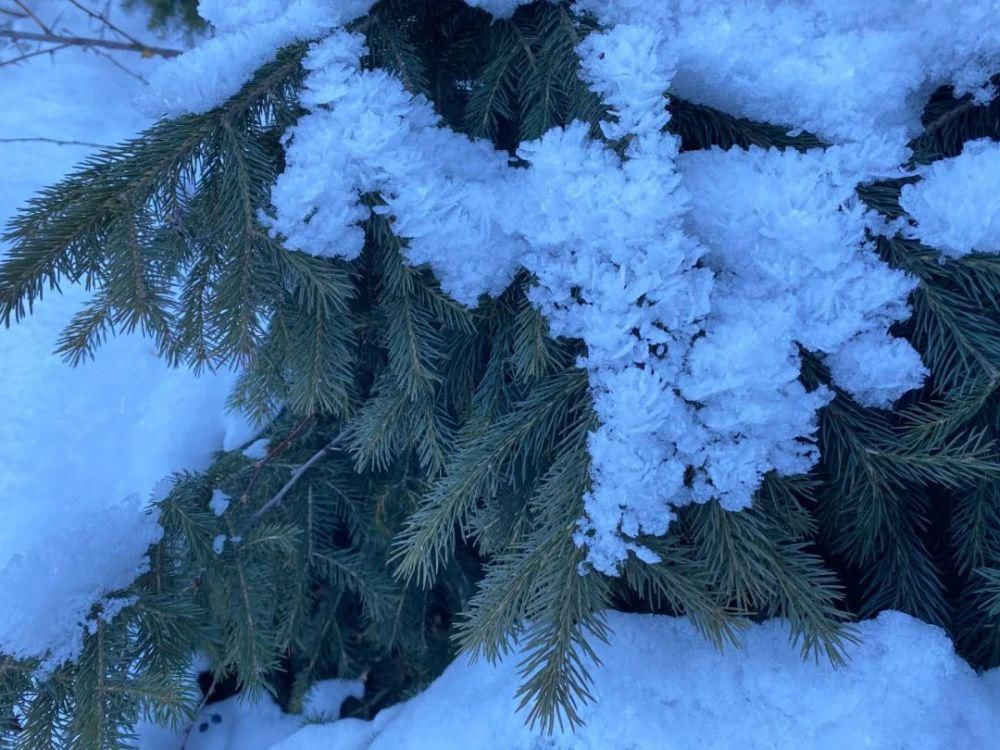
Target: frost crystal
[(367, 134), (955, 205), (850, 70), (248, 35), (615, 269), (787, 239), (694, 279)]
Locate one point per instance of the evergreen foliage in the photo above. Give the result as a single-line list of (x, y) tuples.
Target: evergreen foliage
[(167, 12), (440, 452)]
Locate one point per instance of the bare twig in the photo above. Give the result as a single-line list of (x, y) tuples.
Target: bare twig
[(80, 41), (111, 59), (35, 53), (272, 453), (33, 17), (105, 21), (296, 476), (12, 13), (56, 141)]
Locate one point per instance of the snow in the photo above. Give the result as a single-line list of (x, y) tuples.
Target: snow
[(257, 450), (848, 71), (787, 238), (82, 449), (248, 35), (366, 133), (955, 203), (693, 278), (876, 368), (498, 8), (751, 253), (663, 687), (219, 543), (235, 724), (219, 503)]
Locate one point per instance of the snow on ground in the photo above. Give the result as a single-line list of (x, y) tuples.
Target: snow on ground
[(235, 725), (81, 449), (664, 687)]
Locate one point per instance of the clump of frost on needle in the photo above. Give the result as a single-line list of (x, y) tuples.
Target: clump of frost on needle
[(696, 279), (847, 71), (247, 35), (366, 134), (955, 205)]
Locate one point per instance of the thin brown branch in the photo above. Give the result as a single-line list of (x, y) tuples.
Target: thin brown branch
[(296, 476), (56, 141), (272, 453), (79, 41), (35, 53), (33, 17), (105, 21), (12, 13), (111, 59)]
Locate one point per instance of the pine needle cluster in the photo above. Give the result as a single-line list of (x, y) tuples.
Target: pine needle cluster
[(439, 453)]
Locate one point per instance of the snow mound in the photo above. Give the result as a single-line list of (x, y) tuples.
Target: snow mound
[(663, 687), (235, 724)]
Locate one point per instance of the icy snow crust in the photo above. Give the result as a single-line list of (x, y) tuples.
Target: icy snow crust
[(693, 279), (663, 687)]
